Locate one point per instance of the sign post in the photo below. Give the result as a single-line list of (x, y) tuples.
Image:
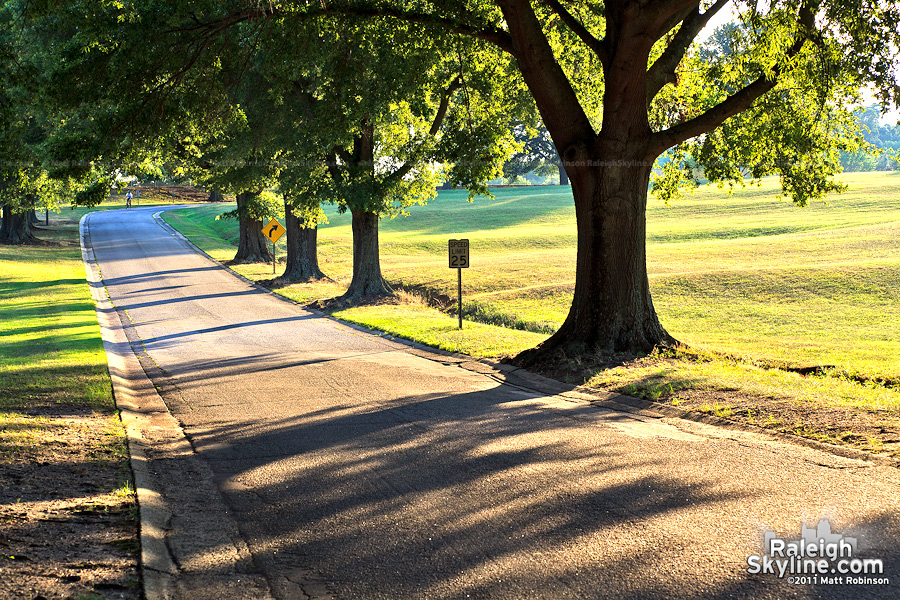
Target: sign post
[(459, 260), (273, 230)]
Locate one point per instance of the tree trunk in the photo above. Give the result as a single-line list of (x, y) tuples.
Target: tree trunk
[(367, 281), (563, 176), (609, 171), (302, 256), (15, 227), (215, 196), (253, 246), (612, 311)]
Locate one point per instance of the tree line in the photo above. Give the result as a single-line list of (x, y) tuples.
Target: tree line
[(882, 144), (371, 105)]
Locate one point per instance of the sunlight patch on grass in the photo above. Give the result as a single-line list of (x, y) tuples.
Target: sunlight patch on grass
[(434, 328), (50, 348)]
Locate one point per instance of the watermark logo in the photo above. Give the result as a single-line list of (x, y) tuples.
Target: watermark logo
[(817, 557)]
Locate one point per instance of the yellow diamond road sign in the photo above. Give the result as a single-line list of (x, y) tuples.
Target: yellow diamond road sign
[(273, 230)]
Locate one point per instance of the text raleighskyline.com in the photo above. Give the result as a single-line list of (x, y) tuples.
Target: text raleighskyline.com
[(817, 552)]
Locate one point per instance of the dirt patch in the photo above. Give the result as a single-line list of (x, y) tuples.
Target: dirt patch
[(330, 305), (877, 432), (68, 519), (873, 431)]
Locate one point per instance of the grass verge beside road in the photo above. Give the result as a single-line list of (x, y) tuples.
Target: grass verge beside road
[(790, 313), (68, 523)]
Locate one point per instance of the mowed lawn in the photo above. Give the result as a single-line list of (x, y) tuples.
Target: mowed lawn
[(50, 348), (744, 273)]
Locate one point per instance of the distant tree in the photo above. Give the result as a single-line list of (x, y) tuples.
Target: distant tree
[(537, 154), (380, 108), (882, 143)]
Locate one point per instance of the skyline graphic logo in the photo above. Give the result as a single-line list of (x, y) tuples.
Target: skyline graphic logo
[(817, 557)]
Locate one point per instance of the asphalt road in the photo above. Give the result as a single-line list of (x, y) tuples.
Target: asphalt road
[(356, 466)]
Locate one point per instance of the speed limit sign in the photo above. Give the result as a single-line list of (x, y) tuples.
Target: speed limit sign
[(459, 260), (459, 254)]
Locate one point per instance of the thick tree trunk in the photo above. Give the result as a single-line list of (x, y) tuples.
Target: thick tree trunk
[(367, 281), (15, 227), (302, 254), (609, 171), (215, 196), (253, 246), (563, 176), (612, 310)]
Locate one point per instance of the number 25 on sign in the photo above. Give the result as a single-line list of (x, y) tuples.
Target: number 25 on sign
[(459, 254), (459, 260)]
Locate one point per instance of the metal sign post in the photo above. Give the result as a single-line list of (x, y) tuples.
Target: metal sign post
[(459, 260), (273, 230)]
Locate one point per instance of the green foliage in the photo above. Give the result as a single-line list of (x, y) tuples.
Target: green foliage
[(537, 153), (258, 207), (415, 109), (882, 142), (94, 193), (798, 130)]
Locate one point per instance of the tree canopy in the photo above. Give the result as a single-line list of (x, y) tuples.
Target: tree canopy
[(616, 83)]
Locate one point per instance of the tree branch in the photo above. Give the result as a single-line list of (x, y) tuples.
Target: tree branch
[(737, 102), (343, 154), (444, 105), (663, 69), (332, 164), (551, 89), (597, 46), (494, 35)]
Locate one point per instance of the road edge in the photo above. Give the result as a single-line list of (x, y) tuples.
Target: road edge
[(153, 433), (136, 400)]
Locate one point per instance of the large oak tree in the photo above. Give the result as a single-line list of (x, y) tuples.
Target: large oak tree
[(774, 106)]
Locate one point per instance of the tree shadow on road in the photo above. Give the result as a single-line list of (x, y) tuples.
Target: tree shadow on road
[(485, 495)]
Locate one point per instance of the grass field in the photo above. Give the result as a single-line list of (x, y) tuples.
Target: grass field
[(67, 505), (749, 277), (49, 337), (745, 274)]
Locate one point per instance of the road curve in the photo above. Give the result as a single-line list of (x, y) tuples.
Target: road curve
[(356, 467)]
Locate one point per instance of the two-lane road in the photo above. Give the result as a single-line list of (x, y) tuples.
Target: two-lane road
[(354, 464)]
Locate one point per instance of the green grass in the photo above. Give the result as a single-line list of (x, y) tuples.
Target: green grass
[(748, 280), (429, 326), (50, 348), (745, 273)]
